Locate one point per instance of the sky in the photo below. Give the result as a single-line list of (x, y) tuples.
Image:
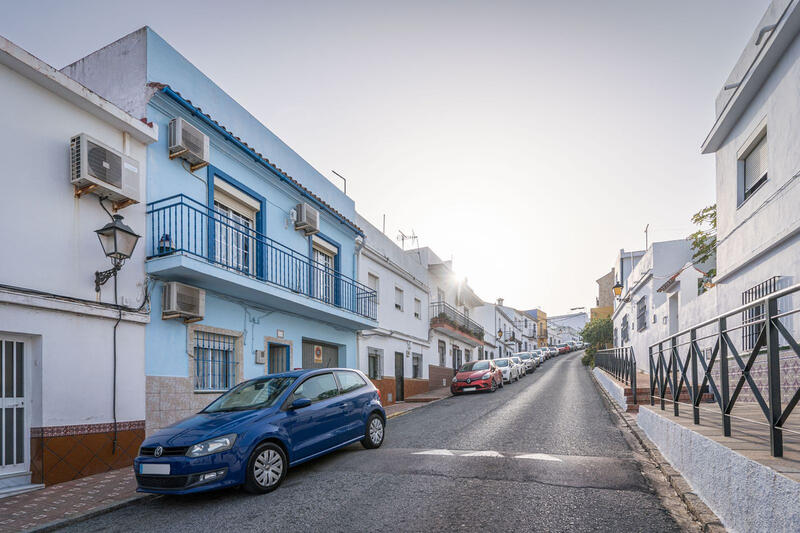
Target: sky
[(528, 141)]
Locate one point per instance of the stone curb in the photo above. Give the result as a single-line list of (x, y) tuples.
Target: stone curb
[(420, 406), (64, 522), (697, 508)]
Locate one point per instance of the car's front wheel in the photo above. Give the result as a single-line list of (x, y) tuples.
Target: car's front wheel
[(266, 469), (373, 437), (494, 385)]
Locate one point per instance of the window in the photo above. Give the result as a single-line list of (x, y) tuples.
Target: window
[(753, 165), (234, 238), (398, 298), (416, 365), (442, 353), (215, 361), (375, 363), (349, 381), (374, 283), (467, 355), (624, 329), (754, 316), (440, 295), (641, 314), (324, 255), (316, 388), (417, 308)]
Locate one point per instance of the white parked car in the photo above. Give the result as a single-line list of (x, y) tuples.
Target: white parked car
[(528, 360), (508, 368), (521, 368), (539, 356)]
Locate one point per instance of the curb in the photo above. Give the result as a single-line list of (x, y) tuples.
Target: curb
[(64, 522), (421, 405), (696, 507)]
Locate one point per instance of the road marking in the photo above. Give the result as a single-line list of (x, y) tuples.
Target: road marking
[(539, 457), (487, 453), (435, 452)]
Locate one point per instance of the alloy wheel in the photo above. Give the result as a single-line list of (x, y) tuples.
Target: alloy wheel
[(376, 431), (268, 468)]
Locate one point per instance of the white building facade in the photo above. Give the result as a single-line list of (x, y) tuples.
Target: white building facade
[(395, 355), (72, 360)]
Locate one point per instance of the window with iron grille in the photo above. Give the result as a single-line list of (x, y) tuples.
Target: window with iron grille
[(624, 329), (752, 318), (215, 361), (375, 363), (442, 353), (641, 314), (416, 365)]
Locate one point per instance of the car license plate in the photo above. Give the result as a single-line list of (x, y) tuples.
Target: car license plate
[(154, 468), (470, 389)]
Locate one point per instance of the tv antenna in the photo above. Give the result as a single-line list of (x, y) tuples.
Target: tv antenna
[(402, 238)]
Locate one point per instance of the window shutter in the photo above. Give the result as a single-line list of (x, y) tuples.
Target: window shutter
[(755, 164)]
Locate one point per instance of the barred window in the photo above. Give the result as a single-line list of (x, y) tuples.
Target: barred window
[(215, 361), (641, 314), (416, 365), (624, 329), (753, 318)]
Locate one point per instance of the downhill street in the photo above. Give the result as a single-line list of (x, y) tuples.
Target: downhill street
[(543, 454)]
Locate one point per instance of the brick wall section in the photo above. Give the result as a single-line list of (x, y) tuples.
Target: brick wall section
[(438, 373), (170, 399), (388, 386)]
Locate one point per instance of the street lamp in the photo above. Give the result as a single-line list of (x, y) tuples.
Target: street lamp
[(118, 241), (617, 288)]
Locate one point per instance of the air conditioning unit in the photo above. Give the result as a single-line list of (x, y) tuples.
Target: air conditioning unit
[(188, 143), (184, 301), (307, 219), (101, 170)]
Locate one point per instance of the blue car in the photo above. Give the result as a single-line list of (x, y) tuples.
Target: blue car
[(253, 433)]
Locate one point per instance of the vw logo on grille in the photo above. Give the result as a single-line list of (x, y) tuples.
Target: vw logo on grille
[(469, 380), (158, 451)]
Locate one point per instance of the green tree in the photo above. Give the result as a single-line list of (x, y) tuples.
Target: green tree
[(598, 332), (704, 240)]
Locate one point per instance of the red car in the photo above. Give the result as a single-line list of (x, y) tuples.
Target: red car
[(477, 376), (563, 348)]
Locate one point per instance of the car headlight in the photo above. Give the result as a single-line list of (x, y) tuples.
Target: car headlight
[(454, 379), (215, 445), (486, 375)]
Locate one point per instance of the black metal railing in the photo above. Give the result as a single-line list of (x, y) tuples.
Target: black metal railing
[(620, 363), (671, 367), (179, 224), (444, 312), (756, 313)]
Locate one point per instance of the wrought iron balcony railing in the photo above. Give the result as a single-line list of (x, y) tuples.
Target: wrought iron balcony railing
[(444, 312), (179, 224), (706, 355)]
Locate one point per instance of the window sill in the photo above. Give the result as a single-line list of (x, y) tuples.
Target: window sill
[(753, 192)]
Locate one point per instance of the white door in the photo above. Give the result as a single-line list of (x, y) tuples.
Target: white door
[(14, 426), (323, 275)]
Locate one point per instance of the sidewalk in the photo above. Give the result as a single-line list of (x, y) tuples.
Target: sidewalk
[(68, 500), (418, 400)]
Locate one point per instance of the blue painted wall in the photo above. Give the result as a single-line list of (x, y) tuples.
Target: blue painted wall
[(166, 339)]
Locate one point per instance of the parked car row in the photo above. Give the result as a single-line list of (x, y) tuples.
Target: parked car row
[(571, 346), (488, 375)]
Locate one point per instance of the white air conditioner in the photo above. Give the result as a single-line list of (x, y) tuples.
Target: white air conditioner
[(188, 143), (179, 300), (101, 170), (307, 219)]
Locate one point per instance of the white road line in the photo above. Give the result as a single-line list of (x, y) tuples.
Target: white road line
[(434, 452), (538, 457), (486, 453)]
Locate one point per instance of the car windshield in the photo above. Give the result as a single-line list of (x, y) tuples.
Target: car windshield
[(501, 362), (474, 365), (525, 356), (257, 394), (516, 360)]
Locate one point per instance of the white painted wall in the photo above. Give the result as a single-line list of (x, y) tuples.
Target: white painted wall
[(398, 331), (49, 245)]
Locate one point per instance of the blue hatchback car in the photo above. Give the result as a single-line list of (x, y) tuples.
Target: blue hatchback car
[(253, 433)]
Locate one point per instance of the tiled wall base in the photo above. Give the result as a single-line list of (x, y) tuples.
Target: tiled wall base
[(440, 376), (170, 399), (388, 386), (790, 377), (64, 453)]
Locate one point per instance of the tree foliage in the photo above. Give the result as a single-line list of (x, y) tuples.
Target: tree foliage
[(704, 240), (598, 332)]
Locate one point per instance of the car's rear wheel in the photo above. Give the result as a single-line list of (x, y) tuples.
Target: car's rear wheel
[(373, 436), (266, 468)]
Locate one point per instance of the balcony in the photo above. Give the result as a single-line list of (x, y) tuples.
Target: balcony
[(190, 242), (450, 321)]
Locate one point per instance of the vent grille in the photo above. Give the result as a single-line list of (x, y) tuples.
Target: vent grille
[(75, 152), (104, 165), (187, 300), (193, 140)]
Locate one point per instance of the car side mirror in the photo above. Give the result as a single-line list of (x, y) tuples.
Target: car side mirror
[(300, 403)]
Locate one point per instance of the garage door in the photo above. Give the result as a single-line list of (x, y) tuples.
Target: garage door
[(318, 355)]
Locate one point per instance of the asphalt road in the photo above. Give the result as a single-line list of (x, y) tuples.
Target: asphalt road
[(542, 454)]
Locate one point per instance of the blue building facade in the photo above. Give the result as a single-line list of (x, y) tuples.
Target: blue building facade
[(275, 298)]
